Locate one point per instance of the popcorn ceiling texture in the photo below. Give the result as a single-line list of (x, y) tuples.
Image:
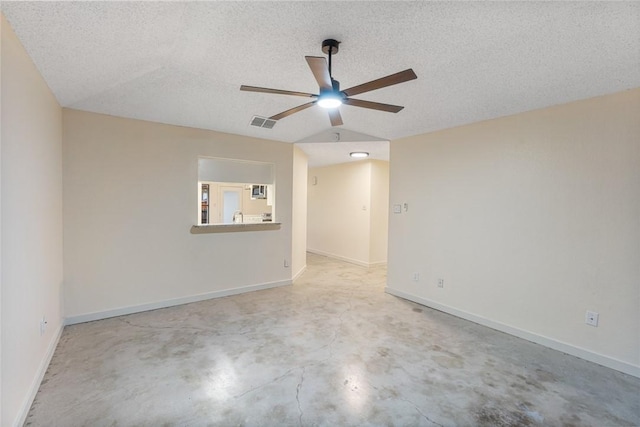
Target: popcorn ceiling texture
[(183, 62)]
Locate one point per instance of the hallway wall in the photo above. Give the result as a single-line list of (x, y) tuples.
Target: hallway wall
[(379, 225), (531, 220), (348, 211), (299, 213)]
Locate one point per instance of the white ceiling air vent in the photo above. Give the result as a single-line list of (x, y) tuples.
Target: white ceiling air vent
[(263, 122)]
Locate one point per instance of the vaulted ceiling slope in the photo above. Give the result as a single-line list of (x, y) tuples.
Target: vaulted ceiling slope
[(183, 63)]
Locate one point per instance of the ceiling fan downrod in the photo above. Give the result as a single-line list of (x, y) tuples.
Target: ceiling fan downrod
[(330, 47)]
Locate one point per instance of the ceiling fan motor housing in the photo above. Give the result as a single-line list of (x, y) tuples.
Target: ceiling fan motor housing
[(334, 92)]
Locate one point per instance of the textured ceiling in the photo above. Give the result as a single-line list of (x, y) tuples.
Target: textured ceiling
[(183, 62), (335, 145)]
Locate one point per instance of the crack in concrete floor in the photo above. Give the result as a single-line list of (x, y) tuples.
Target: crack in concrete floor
[(353, 354), (298, 388), (422, 414)]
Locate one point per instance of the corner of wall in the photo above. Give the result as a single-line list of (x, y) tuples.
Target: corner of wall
[(299, 213)]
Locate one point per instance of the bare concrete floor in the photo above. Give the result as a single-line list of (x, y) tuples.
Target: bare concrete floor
[(332, 350)]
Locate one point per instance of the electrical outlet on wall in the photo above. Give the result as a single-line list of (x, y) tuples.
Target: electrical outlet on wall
[(441, 283), (591, 318)]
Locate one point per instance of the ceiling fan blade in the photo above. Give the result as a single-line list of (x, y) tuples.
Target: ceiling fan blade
[(335, 117), (320, 71), (393, 79), (276, 91), (372, 105), (292, 111)]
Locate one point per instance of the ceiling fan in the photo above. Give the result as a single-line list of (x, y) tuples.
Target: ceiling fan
[(330, 96)]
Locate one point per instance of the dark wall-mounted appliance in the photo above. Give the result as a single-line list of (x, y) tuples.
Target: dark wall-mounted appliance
[(258, 191)]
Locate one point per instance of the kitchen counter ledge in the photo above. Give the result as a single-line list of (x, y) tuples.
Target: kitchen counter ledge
[(226, 228)]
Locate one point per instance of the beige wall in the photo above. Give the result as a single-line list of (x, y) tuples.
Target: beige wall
[(379, 225), (299, 219), (530, 220), (129, 196), (345, 220), (31, 177)]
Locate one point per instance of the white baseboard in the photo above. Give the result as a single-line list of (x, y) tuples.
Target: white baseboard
[(35, 384), (299, 273), (90, 317), (346, 259), (582, 353)]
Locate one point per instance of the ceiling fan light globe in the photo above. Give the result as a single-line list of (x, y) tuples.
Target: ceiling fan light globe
[(330, 102)]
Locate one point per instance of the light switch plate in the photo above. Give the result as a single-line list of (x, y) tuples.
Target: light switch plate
[(397, 209)]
